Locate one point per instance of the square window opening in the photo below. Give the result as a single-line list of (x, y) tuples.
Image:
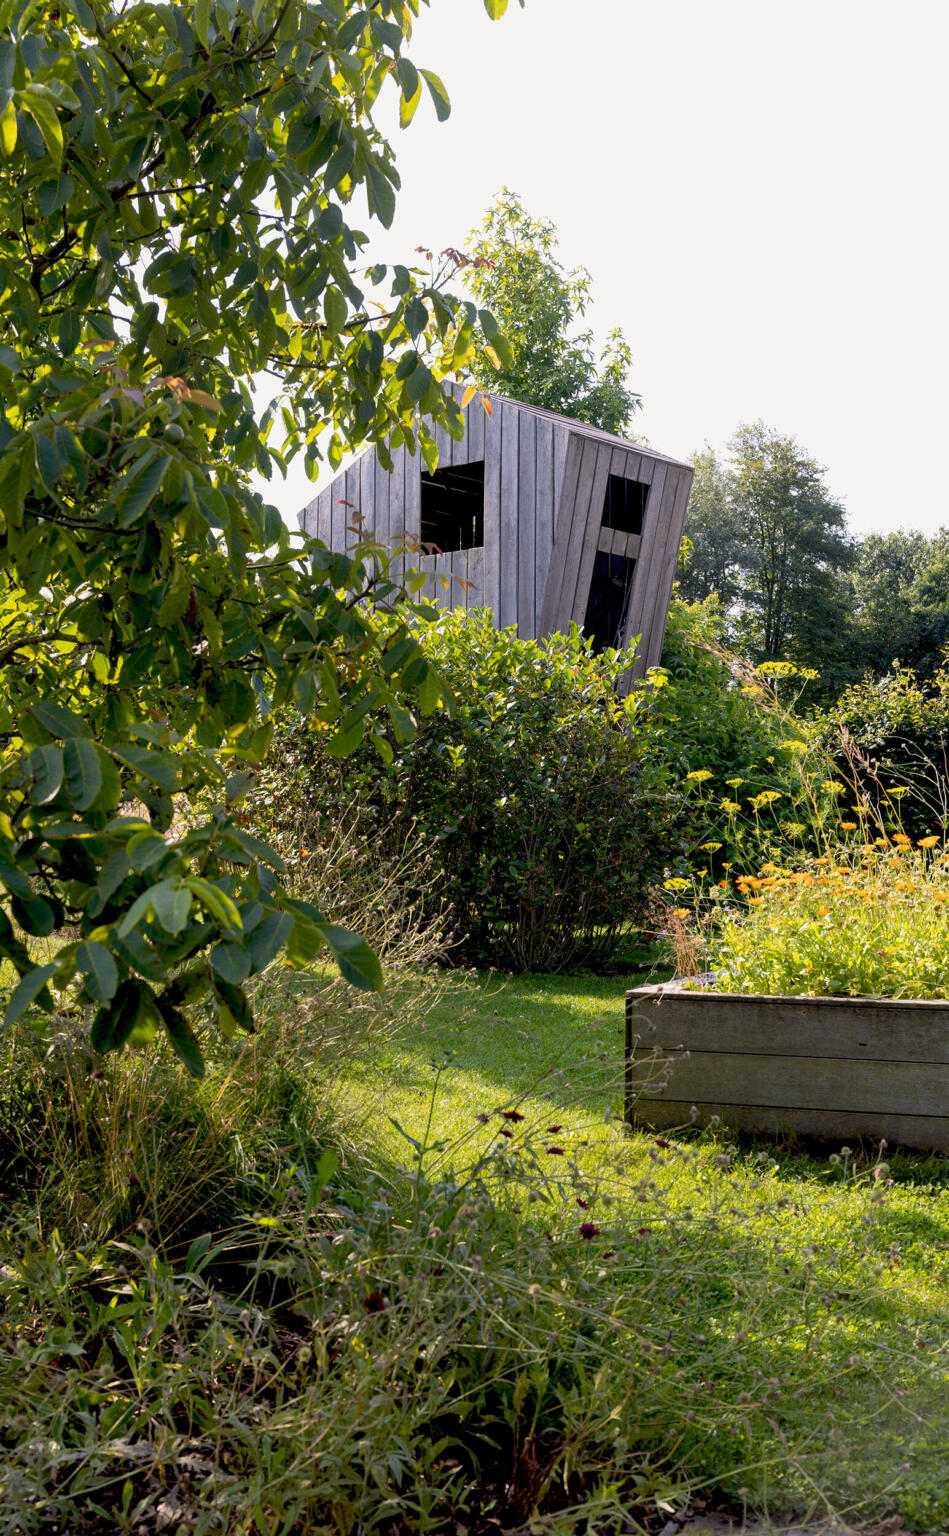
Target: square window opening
[(608, 603), (624, 505), (453, 507)]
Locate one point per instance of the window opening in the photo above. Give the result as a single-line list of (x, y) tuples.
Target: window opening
[(608, 603), (453, 507), (624, 506)]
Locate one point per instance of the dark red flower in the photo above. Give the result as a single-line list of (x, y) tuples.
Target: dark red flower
[(508, 1134), (553, 1129), (133, 1179), (609, 1254), (375, 1302), (511, 1114), (644, 1230), (588, 1230), (661, 1143), (554, 1151), (583, 1204)]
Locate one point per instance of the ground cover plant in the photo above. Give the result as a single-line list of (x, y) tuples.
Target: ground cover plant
[(500, 1309)]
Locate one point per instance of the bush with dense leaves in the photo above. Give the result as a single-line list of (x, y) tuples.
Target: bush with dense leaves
[(546, 794), (754, 770)]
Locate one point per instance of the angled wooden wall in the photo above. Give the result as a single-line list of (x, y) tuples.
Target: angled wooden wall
[(545, 484)]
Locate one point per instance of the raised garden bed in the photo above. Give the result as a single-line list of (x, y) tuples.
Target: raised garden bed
[(819, 1066)]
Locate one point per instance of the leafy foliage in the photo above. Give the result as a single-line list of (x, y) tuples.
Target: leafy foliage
[(544, 794), (750, 764), (871, 920), (770, 540), (174, 192), (516, 272)]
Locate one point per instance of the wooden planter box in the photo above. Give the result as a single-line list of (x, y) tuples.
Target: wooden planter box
[(836, 1067)]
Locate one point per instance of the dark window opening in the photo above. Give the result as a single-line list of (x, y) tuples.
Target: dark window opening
[(453, 507), (608, 602), (625, 505)]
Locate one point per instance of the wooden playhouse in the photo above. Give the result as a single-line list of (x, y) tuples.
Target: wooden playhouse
[(544, 520)]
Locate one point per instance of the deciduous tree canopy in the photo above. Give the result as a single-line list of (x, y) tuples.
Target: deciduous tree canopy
[(516, 272), (175, 193)]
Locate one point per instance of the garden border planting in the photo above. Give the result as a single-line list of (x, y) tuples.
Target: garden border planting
[(818, 1066)]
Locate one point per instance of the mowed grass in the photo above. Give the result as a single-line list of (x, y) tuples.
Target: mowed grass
[(827, 1303)]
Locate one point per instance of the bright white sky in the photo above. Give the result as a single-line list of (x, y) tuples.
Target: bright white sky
[(758, 190)]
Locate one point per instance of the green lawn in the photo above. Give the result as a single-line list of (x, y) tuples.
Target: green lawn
[(816, 1286)]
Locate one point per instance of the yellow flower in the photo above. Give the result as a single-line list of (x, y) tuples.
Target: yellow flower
[(700, 774), (848, 826), (681, 912), (823, 911), (794, 746), (731, 806), (902, 841), (928, 842), (734, 783), (676, 884), (710, 847)]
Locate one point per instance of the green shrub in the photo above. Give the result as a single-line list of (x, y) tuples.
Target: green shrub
[(753, 769), (894, 729), (545, 799)]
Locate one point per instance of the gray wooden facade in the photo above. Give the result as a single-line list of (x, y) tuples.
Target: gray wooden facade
[(559, 522)]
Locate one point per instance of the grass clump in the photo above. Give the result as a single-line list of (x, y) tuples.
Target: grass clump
[(501, 1310)]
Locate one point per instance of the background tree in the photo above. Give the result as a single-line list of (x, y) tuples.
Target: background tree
[(901, 602), (175, 186), (798, 547), (516, 273), (718, 558)]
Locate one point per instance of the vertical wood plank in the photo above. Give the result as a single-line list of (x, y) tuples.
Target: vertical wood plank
[(566, 494), (492, 510), (474, 437), (658, 561), (543, 513), (526, 531), (665, 570), (510, 434), (642, 582), (475, 595), (591, 533), (381, 502), (580, 510)]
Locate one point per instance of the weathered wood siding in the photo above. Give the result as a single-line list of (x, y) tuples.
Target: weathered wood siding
[(545, 482), (833, 1067)]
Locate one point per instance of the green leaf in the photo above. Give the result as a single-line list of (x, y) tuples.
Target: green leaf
[(418, 384), (83, 771), (336, 310), (36, 917), (144, 487), (59, 721), (149, 765), (496, 8), (14, 879), (231, 962), (114, 1023), (174, 604), (182, 1039), (32, 988), (268, 939), (45, 765), (216, 901), (94, 961), (381, 194), (41, 105), (438, 94), (235, 999), (357, 962), (171, 902), (8, 129)]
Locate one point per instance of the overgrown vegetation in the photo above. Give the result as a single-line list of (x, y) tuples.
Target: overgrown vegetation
[(543, 799), (538, 1320)]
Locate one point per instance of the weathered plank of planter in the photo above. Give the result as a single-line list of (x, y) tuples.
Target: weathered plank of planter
[(820, 1066)]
